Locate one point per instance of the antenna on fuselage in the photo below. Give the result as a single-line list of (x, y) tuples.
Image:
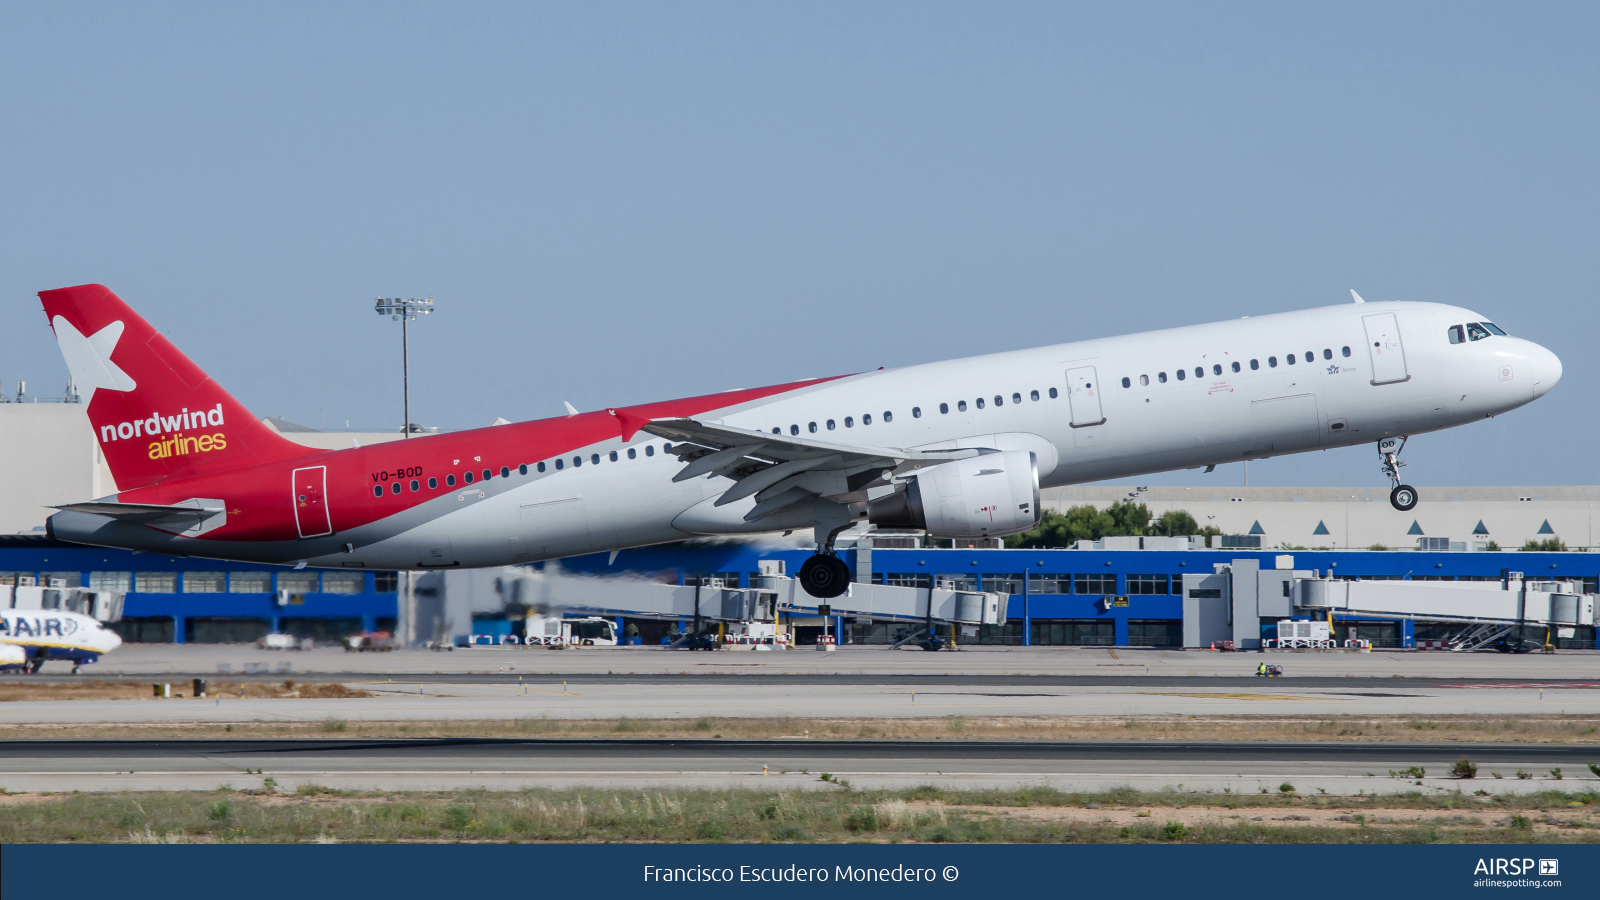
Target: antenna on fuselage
[(1355, 296)]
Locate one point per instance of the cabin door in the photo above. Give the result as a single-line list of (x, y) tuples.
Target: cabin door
[(1083, 397), (310, 501), (1383, 346)]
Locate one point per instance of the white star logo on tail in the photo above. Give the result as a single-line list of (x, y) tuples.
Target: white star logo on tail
[(89, 358)]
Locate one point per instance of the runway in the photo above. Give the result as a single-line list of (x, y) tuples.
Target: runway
[(1334, 768), (971, 661), (645, 698)]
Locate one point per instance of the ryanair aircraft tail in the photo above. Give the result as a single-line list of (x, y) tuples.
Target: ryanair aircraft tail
[(156, 414)]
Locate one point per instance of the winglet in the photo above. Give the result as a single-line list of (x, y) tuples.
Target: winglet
[(1355, 296), (630, 423), (571, 410)]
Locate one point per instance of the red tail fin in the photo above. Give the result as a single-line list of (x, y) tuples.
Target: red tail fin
[(155, 413)]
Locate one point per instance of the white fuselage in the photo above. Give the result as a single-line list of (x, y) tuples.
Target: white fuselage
[(1090, 410), (33, 634)]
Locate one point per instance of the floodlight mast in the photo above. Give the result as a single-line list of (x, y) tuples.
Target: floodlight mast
[(405, 310)]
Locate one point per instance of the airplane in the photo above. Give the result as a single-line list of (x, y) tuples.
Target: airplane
[(29, 638), (955, 449)]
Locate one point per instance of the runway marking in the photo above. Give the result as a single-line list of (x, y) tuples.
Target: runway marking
[(1235, 696), (1528, 685)]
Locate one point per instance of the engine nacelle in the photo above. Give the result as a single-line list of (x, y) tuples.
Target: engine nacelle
[(983, 496)]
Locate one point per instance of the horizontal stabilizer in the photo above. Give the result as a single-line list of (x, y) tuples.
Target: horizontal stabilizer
[(189, 517)]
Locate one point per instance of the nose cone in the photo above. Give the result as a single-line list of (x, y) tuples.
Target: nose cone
[(110, 640), (1546, 370)]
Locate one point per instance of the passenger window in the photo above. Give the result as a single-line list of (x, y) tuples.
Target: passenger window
[(394, 488), (887, 417), (866, 419), (377, 490), (540, 467), (1272, 362), (1476, 332), (1144, 380), (415, 486), (777, 431), (1182, 374), (433, 484), (505, 471), (1236, 367), (1327, 354), (467, 477), (1311, 355), (1127, 382), (1017, 398), (1199, 371), (613, 456), (999, 400), (794, 429), (961, 406), (1216, 369), (577, 461), (830, 424), (944, 408), (1052, 393), (1254, 365), (1494, 329), (450, 480), (1160, 376), (979, 401), (633, 453), (849, 422), (560, 464), (649, 449), (1346, 351), (916, 412), (811, 427), (522, 469), (1033, 395), (1290, 358), (489, 473)]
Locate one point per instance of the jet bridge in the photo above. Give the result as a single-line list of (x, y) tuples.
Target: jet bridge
[(455, 595), (1235, 600), (1488, 611)]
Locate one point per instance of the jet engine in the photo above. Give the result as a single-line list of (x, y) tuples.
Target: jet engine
[(982, 496)]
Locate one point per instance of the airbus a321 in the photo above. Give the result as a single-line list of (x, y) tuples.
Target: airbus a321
[(956, 449)]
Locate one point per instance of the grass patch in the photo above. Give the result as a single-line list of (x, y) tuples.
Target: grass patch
[(925, 814)]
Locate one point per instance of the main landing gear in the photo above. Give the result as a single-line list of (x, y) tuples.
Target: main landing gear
[(825, 575), (1404, 496)]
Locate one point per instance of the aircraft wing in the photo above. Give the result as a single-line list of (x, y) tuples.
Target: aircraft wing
[(781, 470)]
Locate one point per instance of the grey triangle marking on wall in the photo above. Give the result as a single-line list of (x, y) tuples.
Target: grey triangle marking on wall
[(1321, 528), (1545, 528), (1480, 529), (1415, 528), (1257, 529)]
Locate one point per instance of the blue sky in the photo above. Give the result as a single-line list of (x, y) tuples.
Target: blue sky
[(623, 202)]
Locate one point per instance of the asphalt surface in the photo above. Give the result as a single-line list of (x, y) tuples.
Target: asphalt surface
[(825, 678), (1335, 768)]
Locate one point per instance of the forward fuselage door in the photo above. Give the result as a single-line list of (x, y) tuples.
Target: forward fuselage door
[(1083, 396), (1383, 347), (310, 486)]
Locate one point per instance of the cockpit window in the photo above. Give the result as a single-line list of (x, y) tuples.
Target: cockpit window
[(1458, 335), (1493, 328), (1476, 332)]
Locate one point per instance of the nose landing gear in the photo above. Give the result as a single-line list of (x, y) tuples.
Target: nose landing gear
[(1404, 497)]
